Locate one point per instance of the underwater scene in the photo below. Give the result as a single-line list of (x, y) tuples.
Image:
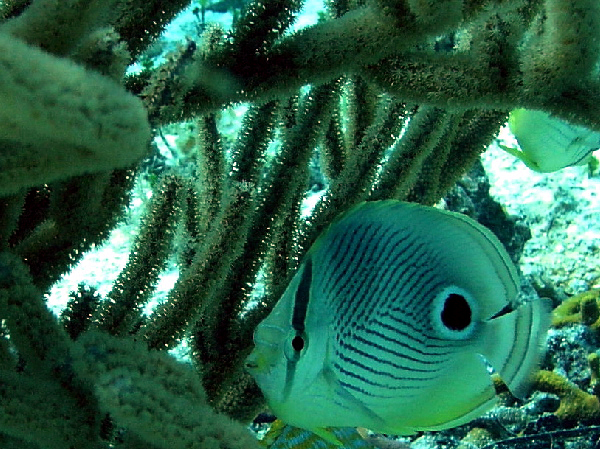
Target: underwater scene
[(299, 224)]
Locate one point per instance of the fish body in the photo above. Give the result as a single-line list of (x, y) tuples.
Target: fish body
[(549, 144), (391, 323)]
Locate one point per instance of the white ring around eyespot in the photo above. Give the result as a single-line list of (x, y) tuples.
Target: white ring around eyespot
[(438, 306)]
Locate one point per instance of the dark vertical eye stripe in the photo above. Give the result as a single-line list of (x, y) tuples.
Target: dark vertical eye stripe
[(302, 297)]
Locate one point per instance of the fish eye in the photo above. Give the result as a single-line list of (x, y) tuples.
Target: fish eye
[(298, 343), (453, 313), (294, 346)]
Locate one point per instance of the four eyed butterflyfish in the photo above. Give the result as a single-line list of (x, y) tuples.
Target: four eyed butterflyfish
[(549, 143), (392, 322)]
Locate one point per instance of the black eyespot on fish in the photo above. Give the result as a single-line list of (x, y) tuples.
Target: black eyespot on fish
[(298, 343), (456, 314)]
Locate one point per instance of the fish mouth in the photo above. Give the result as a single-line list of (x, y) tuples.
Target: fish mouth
[(257, 364), (250, 365)]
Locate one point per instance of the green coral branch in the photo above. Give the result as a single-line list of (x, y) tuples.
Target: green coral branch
[(65, 389), (120, 313), (86, 122), (41, 412), (66, 219), (59, 26), (161, 401), (508, 54)]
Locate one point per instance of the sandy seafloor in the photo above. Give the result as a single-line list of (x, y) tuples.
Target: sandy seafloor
[(560, 208)]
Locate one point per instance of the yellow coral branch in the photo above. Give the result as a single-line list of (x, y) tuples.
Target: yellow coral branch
[(575, 404)]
